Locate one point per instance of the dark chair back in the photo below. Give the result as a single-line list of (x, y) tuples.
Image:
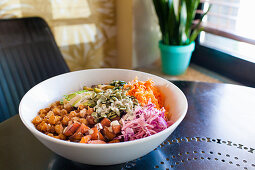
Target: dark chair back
[(28, 55)]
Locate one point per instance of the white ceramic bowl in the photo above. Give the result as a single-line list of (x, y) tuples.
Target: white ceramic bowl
[(48, 91)]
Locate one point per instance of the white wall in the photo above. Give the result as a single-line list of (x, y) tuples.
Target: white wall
[(146, 33)]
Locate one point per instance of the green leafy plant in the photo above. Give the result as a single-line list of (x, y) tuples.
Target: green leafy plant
[(175, 20)]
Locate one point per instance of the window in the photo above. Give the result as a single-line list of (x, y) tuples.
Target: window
[(228, 40)]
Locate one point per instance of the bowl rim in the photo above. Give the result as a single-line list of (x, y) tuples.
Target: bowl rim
[(35, 132)]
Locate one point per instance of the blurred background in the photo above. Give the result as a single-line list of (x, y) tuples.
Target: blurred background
[(125, 34)]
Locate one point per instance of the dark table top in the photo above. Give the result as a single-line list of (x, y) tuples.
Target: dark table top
[(218, 132)]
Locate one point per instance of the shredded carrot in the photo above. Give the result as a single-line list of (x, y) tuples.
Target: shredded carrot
[(145, 92)]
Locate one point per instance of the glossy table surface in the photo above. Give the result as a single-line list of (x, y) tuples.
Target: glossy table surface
[(218, 132)]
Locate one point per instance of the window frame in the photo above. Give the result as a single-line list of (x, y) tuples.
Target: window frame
[(232, 67)]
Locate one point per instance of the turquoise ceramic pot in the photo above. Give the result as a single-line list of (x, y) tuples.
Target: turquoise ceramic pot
[(175, 59)]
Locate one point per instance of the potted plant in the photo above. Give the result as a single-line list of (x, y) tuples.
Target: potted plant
[(178, 33)]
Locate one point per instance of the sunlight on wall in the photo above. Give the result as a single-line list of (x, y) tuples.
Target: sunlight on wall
[(10, 10), (75, 8), (84, 33)]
